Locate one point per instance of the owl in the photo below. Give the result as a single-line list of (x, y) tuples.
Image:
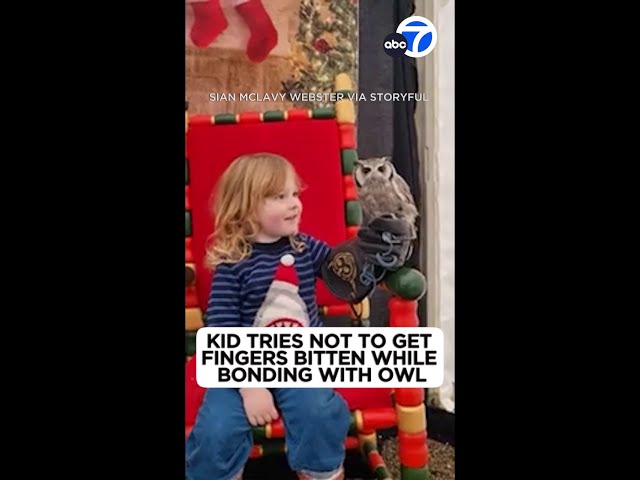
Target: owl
[(382, 191)]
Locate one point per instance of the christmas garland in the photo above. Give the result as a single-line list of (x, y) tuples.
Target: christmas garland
[(326, 44)]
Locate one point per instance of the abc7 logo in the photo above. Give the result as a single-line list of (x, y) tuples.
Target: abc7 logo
[(415, 37), (395, 45)]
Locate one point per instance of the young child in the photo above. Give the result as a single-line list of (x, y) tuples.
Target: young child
[(264, 275)]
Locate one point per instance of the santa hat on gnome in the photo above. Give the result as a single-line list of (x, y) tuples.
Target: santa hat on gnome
[(283, 306), (209, 22)]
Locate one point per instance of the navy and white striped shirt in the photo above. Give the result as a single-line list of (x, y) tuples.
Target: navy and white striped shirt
[(238, 290)]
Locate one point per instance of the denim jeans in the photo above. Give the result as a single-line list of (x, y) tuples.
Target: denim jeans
[(316, 422)]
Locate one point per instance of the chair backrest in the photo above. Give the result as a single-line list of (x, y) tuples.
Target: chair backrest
[(313, 145)]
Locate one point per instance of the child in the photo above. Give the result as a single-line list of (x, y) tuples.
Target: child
[(264, 275)]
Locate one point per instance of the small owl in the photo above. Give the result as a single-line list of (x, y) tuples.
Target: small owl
[(382, 191)]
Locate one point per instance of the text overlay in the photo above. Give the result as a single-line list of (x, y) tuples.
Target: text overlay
[(346, 357)]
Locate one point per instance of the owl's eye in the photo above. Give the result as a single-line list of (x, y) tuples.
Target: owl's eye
[(381, 169), (366, 170)]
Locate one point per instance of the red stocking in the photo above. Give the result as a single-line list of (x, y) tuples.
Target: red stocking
[(264, 36), (208, 23)]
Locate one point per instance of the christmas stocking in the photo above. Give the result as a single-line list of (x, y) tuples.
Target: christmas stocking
[(209, 21), (264, 36)]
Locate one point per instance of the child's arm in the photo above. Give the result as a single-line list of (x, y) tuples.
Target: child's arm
[(319, 252), (223, 308)]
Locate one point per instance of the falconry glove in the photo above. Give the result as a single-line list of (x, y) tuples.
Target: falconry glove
[(354, 268)]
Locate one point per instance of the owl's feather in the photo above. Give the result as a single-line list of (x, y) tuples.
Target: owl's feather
[(402, 189), (382, 191)]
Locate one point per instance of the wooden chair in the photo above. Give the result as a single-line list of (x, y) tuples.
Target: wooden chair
[(321, 143)]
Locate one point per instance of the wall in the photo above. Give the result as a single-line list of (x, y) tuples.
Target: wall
[(436, 127), (316, 40)]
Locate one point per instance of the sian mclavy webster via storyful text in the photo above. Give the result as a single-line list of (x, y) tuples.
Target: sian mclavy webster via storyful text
[(316, 97)]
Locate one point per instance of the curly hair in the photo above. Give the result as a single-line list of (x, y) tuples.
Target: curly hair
[(244, 185)]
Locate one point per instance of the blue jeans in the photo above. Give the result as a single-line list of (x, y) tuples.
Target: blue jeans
[(316, 423)]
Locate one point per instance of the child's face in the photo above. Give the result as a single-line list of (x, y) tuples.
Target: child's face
[(279, 215)]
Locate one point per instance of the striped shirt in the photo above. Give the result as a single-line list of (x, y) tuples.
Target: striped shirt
[(239, 290)]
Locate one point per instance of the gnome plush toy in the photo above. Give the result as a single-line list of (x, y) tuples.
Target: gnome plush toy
[(209, 22), (283, 306)]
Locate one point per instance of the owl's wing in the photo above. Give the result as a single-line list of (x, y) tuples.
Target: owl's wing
[(401, 189)]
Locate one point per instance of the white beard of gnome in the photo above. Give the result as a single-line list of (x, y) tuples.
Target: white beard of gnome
[(283, 307)]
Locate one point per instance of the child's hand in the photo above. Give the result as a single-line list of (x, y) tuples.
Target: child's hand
[(258, 405)]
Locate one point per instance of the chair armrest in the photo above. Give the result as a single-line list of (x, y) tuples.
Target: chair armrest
[(407, 283)]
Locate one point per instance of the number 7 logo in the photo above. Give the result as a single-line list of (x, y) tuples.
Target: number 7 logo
[(421, 36)]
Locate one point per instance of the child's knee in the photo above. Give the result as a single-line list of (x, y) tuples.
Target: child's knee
[(217, 431), (219, 436), (331, 410), (216, 448)]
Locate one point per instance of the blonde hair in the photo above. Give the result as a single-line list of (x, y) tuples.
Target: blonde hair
[(244, 185)]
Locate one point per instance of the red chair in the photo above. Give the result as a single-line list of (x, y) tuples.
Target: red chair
[(321, 145)]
